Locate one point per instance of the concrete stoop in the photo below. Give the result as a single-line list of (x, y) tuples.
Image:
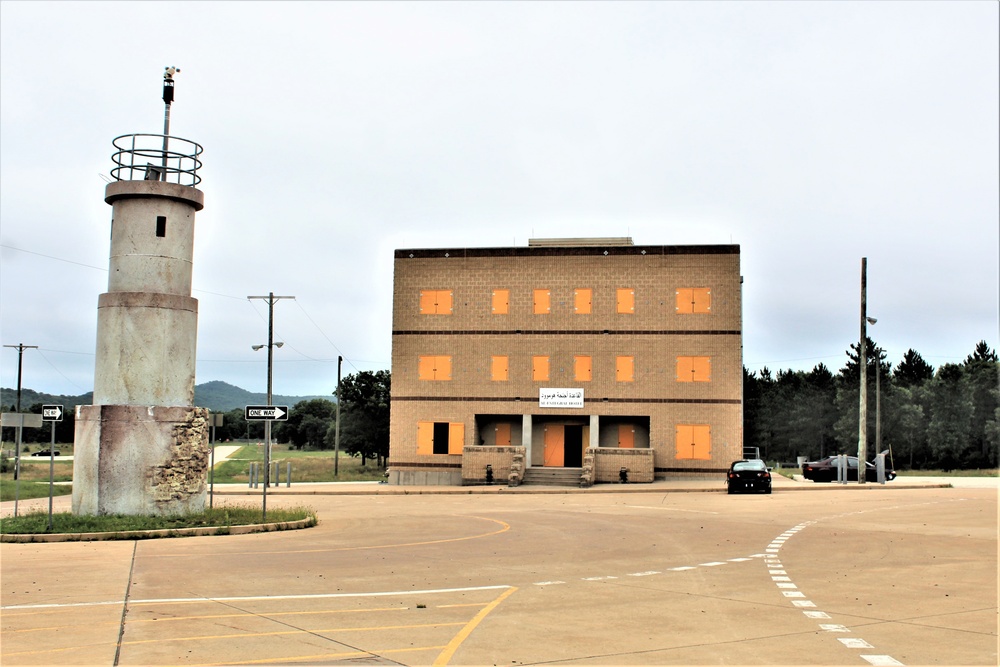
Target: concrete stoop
[(538, 476)]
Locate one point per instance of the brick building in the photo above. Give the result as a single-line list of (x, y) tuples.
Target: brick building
[(583, 355)]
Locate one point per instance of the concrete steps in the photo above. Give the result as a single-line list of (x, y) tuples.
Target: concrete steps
[(538, 476)]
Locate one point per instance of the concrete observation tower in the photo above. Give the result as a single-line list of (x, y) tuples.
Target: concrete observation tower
[(142, 447)]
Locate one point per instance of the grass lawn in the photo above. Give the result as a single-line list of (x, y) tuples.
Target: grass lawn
[(35, 479), (220, 517), (309, 466)]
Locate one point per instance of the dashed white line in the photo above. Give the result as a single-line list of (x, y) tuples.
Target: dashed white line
[(784, 583)]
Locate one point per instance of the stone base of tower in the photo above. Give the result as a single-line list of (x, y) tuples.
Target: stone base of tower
[(132, 459)]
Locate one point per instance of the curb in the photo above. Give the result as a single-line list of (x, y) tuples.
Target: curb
[(26, 538)]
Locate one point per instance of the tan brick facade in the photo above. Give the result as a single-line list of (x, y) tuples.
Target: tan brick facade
[(647, 412)]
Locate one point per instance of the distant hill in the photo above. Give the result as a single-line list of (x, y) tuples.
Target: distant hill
[(217, 396)]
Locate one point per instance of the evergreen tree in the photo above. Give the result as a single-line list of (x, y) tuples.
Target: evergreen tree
[(951, 411), (912, 371)]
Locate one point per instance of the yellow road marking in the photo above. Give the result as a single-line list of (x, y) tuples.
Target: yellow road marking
[(264, 614), (247, 635), (447, 654), (324, 656)]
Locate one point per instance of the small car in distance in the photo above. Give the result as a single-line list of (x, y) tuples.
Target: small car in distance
[(825, 470), (45, 452), (748, 475)]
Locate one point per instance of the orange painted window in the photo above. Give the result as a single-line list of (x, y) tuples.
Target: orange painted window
[(694, 369), (498, 368), (694, 441), (625, 369), (542, 302), (540, 368), (694, 300), (626, 300), (582, 299), (582, 368), (425, 437), (501, 301), (626, 436), (456, 437), (503, 435), (435, 302), (434, 368), (440, 437)]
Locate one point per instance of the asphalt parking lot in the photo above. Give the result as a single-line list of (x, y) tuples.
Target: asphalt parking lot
[(836, 576)]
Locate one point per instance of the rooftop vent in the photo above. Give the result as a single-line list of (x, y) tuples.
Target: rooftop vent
[(596, 241)]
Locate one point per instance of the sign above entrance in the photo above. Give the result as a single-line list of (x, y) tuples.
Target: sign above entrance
[(560, 398)]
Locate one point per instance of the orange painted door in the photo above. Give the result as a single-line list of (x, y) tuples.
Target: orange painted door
[(626, 436), (554, 447), (503, 435)]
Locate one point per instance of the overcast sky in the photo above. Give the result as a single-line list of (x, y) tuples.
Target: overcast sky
[(811, 134)]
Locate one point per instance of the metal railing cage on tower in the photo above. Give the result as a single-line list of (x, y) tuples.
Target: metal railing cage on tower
[(156, 157)]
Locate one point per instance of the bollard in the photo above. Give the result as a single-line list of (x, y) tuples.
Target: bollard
[(250, 476), (288, 475)]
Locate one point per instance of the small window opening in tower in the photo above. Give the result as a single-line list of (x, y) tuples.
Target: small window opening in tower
[(161, 226)]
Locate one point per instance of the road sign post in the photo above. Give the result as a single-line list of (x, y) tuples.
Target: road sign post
[(214, 420), (266, 414), (19, 420), (52, 414)]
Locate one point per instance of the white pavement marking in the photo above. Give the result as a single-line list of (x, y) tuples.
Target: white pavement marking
[(643, 574), (784, 582), (549, 583), (246, 598), (881, 660), (712, 564)]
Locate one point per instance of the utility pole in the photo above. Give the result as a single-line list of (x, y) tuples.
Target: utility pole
[(20, 347), (336, 430), (271, 300), (863, 363)]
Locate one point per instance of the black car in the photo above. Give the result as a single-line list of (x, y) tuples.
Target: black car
[(825, 470), (752, 475), (45, 453)]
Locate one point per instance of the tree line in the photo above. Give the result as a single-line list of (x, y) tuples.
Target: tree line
[(944, 418), (948, 418)]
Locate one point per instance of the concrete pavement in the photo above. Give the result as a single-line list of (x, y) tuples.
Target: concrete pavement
[(897, 575)]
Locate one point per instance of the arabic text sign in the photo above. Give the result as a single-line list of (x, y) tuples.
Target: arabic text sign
[(560, 398)]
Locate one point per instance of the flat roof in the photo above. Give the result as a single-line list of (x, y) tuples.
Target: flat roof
[(559, 250)]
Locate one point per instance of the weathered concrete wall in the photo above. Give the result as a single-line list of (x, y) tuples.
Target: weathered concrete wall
[(140, 460), (609, 462), (475, 460), (146, 347), (450, 477)]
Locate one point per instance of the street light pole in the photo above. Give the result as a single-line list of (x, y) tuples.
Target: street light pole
[(271, 300)]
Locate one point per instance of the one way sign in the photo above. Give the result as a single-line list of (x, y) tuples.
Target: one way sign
[(52, 413), (266, 413)]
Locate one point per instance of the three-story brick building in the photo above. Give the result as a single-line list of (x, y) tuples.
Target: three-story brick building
[(586, 354)]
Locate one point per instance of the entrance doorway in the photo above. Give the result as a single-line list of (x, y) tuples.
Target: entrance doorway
[(563, 446), (573, 443)]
